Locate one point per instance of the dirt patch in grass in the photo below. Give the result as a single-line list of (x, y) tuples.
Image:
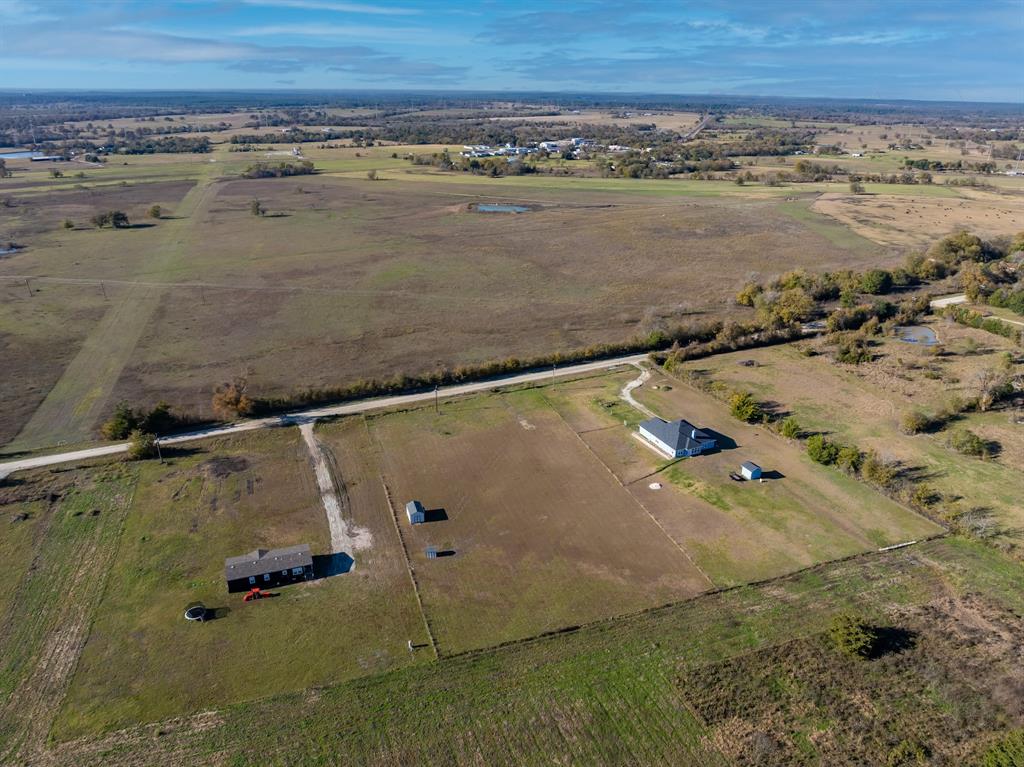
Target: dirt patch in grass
[(224, 466), (543, 536)]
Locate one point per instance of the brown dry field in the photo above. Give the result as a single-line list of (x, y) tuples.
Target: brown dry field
[(41, 334), (545, 487), (543, 535), (917, 221), (348, 278)]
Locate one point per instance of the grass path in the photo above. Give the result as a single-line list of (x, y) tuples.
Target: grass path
[(77, 400)]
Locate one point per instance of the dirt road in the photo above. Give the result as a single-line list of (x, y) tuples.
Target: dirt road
[(298, 417)]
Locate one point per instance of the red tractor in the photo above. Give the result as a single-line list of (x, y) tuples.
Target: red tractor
[(256, 593)]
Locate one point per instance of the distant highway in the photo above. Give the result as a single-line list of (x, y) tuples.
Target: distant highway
[(699, 127), (304, 416)]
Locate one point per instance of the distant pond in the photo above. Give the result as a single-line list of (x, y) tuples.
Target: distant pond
[(26, 155), (917, 334), (500, 207)]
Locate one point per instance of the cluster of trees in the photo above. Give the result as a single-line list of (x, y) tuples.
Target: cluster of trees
[(278, 170), (162, 145), (904, 177), (974, 319), (115, 219), (947, 165), (808, 170), (160, 419), (494, 166), (994, 280)]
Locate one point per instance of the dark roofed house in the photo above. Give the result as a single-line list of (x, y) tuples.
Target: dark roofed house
[(675, 439), (269, 569)]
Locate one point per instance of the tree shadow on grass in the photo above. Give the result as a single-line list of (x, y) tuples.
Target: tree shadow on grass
[(912, 473), (890, 640)]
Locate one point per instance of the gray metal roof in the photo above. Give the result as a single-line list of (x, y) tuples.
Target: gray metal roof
[(414, 506), (749, 466), (679, 434), (261, 561)]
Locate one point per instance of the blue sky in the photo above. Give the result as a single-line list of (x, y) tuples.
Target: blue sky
[(916, 49)]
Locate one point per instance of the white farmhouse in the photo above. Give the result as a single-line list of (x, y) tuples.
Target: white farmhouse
[(675, 439)]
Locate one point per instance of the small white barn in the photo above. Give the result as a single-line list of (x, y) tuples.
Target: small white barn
[(416, 513), (750, 470)]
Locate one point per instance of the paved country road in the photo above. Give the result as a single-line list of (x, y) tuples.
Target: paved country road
[(944, 301), (304, 416)]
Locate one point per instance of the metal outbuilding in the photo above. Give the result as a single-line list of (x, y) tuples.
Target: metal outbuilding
[(750, 470), (416, 513)]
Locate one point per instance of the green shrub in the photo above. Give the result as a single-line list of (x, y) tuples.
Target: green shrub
[(877, 471), (790, 429), (1008, 751), (748, 294), (125, 420), (122, 423), (876, 282), (821, 450), (141, 445), (966, 442), (853, 351), (907, 753), (852, 636), (743, 406), (849, 459), (915, 422), (924, 496)]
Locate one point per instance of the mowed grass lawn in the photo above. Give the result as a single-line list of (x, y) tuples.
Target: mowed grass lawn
[(747, 676), (863, 405), (736, 531), (143, 661)]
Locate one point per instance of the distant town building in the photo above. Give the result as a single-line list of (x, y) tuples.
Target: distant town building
[(675, 439), (269, 569), (415, 512), (750, 470)]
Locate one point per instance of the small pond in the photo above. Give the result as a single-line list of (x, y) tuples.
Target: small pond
[(917, 334), (19, 155), (500, 207)]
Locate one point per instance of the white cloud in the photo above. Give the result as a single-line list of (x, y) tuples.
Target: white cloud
[(360, 31), (335, 5)]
